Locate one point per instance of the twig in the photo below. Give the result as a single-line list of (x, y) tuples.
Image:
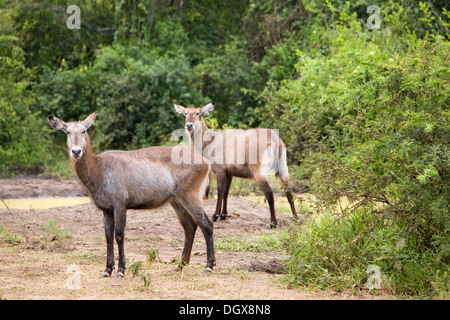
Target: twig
[(369, 228), (395, 58), (361, 195), (9, 210), (240, 289)]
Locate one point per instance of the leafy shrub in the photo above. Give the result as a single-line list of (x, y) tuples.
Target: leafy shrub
[(397, 150), (56, 232), (329, 251), (373, 126)]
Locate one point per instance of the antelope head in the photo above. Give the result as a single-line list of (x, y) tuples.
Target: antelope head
[(194, 115), (76, 133)]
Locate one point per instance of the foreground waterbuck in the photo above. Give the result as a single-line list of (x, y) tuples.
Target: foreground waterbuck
[(139, 179), (250, 154)]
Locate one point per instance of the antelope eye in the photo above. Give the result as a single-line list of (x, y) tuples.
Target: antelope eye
[(185, 113), (84, 131), (196, 113), (67, 132)]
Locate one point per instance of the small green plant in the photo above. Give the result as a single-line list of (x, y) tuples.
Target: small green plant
[(10, 237), (135, 268), (138, 269), (152, 255), (57, 233)]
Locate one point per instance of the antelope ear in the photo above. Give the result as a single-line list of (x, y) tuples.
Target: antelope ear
[(90, 120), (179, 109), (57, 123), (208, 108)]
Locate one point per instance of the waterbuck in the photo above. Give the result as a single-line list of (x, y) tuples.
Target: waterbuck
[(250, 154), (139, 179)]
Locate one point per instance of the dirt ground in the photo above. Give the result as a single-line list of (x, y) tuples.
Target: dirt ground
[(38, 266)]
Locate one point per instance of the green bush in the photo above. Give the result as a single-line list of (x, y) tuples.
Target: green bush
[(371, 122), (329, 251), (396, 151)]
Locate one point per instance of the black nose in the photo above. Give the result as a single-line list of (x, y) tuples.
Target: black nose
[(76, 152), (189, 125)]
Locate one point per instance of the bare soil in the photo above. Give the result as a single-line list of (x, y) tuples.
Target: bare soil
[(38, 266)]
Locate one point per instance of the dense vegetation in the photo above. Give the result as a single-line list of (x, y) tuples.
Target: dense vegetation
[(364, 112)]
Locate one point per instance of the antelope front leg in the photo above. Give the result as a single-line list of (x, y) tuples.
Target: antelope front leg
[(224, 213), (207, 228), (120, 217), (108, 222), (221, 184), (189, 227)]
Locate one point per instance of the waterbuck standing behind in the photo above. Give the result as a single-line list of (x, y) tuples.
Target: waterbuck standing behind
[(250, 154), (140, 179)]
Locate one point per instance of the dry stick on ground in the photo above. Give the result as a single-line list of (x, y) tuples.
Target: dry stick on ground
[(7, 207)]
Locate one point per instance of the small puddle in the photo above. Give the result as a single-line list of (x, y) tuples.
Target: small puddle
[(42, 203)]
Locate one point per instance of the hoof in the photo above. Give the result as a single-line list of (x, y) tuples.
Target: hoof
[(120, 275), (207, 270), (223, 218), (214, 218), (177, 269), (107, 273), (273, 225)]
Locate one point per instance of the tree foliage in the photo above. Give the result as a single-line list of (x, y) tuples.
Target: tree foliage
[(22, 136)]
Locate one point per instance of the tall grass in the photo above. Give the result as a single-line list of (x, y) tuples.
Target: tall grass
[(340, 252)]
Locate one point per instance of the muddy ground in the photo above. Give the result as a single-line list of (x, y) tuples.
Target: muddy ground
[(36, 264)]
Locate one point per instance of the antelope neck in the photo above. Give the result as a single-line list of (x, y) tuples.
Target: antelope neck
[(87, 167), (195, 134)]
